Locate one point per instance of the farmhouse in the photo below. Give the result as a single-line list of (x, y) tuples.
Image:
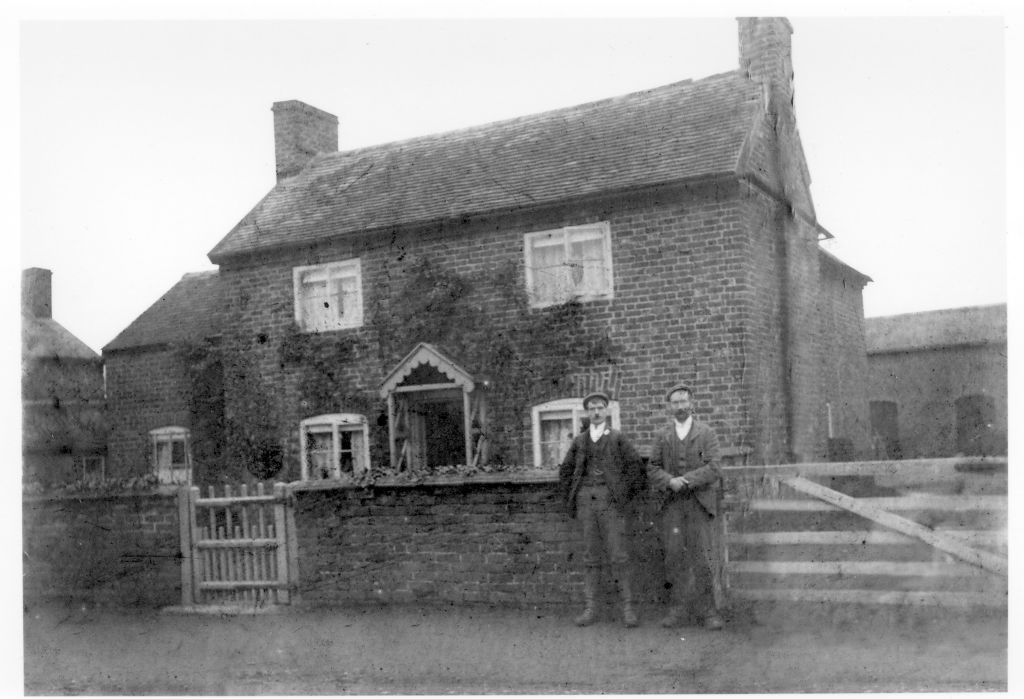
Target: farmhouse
[(442, 303)]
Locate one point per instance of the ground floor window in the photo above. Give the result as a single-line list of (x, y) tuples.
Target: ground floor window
[(555, 423), (334, 446), (90, 468), (171, 455)]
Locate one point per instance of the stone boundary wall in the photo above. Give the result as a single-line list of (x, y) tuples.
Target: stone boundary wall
[(111, 549), (499, 539), (453, 541)]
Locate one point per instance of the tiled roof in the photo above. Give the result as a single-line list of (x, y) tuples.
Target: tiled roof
[(45, 338), (191, 310), (680, 131), (972, 325)]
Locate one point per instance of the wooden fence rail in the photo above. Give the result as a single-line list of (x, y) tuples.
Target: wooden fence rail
[(238, 549), (928, 531)]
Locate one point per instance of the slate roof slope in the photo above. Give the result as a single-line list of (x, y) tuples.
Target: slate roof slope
[(680, 131), (192, 310), (950, 327), (45, 338)]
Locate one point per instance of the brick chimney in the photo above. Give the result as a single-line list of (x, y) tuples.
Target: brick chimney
[(766, 54), (36, 292), (300, 132)]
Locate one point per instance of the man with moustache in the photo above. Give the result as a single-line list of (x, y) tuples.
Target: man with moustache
[(598, 479), (684, 468)]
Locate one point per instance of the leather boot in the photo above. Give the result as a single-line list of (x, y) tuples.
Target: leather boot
[(590, 582), (675, 617), (629, 617)]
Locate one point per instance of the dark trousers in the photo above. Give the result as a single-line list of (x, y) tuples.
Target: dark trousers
[(604, 527), (692, 543)]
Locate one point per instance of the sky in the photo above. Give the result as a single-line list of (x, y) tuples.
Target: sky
[(143, 142)]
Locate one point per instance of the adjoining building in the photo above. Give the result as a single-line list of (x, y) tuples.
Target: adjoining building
[(938, 382), (445, 301), (62, 399)]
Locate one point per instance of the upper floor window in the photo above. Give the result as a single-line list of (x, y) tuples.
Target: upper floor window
[(329, 296), (171, 455), (334, 445), (569, 263), (555, 423)]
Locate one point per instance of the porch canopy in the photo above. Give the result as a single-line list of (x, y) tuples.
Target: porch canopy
[(436, 412)]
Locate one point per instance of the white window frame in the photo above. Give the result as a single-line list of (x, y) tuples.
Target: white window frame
[(175, 473), (531, 239), (330, 271), (336, 423), (574, 406)]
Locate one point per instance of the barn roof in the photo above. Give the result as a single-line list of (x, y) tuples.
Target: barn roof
[(950, 327)]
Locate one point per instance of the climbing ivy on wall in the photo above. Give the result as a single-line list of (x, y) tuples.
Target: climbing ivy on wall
[(482, 320), (245, 438)]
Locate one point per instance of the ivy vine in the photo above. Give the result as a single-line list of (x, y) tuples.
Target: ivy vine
[(483, 321)]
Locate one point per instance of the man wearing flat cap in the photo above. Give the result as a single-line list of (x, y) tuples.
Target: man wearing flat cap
[(598, 479), (684, 468)]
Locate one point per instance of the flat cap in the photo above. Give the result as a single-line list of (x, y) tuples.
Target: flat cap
[(596, 394), (678, 387)]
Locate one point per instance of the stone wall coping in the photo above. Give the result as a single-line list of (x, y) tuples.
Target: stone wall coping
[(164, 491), (495, 479)]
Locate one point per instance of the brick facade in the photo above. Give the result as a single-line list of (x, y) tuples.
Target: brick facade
[(150, 389), (702, 293), (685, 293), (845, 359)]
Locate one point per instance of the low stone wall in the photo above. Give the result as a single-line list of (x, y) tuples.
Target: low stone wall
[(481, 540), (497, 539), (112, 549)]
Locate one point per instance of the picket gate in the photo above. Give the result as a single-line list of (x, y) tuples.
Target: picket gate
[(238, 549)]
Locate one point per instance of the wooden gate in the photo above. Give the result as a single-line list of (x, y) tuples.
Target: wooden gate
[(922, 532), (238, 549)]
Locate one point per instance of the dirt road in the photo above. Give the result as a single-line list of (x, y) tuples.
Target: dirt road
[(405, 650)]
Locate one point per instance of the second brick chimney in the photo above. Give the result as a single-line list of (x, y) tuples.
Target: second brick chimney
[(36, 292), (766, 53), (300, 132)]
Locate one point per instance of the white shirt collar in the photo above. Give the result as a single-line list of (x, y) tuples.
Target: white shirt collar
[(597, 430), (683, 428)]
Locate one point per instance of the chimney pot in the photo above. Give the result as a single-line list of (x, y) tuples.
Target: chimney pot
[(300, 132), (36, 292)]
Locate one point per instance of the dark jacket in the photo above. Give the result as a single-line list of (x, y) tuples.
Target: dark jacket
[(701, 464), (624, 472)]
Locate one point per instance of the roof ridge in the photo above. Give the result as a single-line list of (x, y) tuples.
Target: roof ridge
[(201, 273), (984, 306), (525, 118)]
